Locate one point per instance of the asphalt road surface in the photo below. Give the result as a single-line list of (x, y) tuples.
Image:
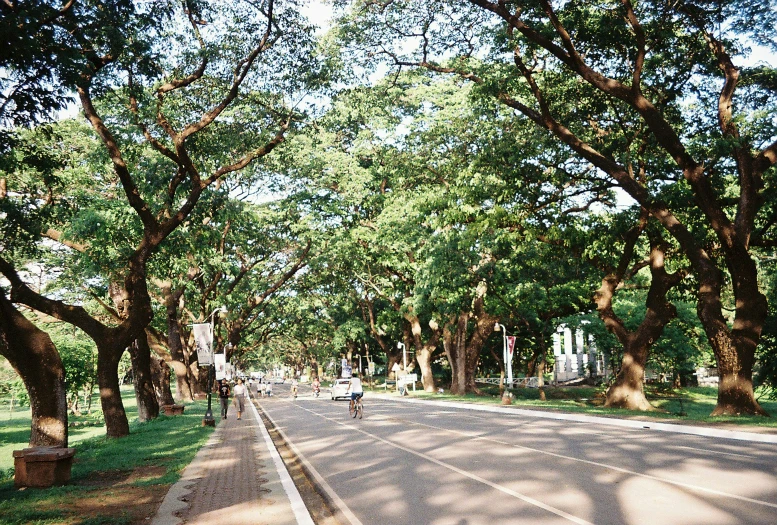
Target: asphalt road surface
[(425, 464)]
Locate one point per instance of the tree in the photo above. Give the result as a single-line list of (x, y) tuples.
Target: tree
[(632, 67), (36, 60), (34, 357), (180, 118)]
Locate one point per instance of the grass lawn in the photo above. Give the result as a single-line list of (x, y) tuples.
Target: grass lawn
[(113, 480), (690, 405)]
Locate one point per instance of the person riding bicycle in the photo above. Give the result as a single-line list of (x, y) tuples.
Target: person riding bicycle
[(355, 387), (316, 386)]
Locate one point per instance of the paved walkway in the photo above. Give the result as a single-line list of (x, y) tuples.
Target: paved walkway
[(236, 478)]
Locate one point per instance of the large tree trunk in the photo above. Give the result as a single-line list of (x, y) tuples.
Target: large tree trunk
[(463, 349), (424, 358), (484, 327), (424, 351), (180, 353), (140, 354), (145, 394), (34, 357), (627, 391), (536, 365), (160, 372), (133, 307), (455, 343), (108, 356), (734, 348), (179, 359)]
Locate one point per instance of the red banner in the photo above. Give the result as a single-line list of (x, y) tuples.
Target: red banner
[(510, 345)]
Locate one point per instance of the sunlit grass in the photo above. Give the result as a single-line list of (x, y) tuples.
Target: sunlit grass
[(167, 443)]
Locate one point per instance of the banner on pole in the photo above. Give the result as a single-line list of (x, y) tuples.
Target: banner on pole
[(510, 347), (203, 339), (220, 361)]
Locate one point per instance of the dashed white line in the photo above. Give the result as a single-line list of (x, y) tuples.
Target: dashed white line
[(715, 452), (496, 486)]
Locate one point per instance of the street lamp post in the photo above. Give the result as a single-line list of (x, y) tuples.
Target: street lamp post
[(508, 369), (208, 419), (401, 345)]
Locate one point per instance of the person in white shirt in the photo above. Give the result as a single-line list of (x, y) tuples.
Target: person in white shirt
[(355, 387), (240, 397)]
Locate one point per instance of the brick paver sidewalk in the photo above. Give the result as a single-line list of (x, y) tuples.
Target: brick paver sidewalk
[(232, 478)]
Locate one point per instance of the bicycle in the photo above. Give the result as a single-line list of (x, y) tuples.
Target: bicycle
[(356, 408)]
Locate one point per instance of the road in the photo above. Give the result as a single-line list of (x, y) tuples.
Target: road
[(427, 464)]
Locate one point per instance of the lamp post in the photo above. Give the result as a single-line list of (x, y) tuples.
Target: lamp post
[(208, 419), (401, 345), (508, 369), (360, 364)]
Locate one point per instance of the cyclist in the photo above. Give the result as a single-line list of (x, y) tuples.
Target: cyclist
[(355, 387), (316, 386)]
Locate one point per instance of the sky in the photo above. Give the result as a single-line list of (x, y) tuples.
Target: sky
[(319, 13)]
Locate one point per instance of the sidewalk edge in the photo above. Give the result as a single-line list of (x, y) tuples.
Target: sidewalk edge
[(173, 502), (333, 500), (301, 513)]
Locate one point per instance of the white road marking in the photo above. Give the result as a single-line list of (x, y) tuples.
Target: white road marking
[(612, 467), (496, 486), (297, 505), (715, 452)]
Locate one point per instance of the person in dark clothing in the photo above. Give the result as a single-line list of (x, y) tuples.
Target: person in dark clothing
[(224, 392)]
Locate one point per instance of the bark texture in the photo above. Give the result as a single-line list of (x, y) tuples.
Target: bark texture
[(179, 357), (145, 392), (160, 375), (424, 353), (627, 391), (463, 343), (33, 355)]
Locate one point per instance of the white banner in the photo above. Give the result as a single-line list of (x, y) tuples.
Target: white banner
[(221, 366), (203, 339), (510, 346)]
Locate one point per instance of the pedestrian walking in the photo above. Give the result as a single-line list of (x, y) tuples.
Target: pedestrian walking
[(224, 392), (239, 398), (268, 388)]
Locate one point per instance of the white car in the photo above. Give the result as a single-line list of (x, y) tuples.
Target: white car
[(338, 389)]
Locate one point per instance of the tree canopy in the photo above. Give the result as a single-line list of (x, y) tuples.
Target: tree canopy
[(422, 173)]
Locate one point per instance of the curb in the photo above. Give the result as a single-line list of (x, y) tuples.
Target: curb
[(301, 513), (738, 435), (340, 510)]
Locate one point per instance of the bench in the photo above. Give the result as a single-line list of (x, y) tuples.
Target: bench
[(42, 467), (173, 410)]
